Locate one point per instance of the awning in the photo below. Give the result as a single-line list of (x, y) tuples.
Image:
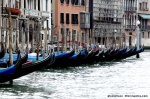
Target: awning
[(145, 16)]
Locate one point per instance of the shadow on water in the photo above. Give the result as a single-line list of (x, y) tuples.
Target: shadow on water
[(23, 90), (19, 88)]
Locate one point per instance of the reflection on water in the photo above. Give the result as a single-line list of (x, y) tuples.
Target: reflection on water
[(123, 77)]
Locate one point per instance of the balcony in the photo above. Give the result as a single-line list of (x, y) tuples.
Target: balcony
[(131, 9), (14, 12), (144, 27), (45, 14), (130, 27), (84, 20), (30, 13)]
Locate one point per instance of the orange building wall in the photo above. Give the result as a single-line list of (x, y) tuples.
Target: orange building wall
[(71, 9)]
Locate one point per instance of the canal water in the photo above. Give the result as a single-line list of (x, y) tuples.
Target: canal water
[(125, 79)]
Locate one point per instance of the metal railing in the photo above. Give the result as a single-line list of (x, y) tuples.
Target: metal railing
[(131, 9), (144, 27), (30, 12), (34, 13), (130, 26), (45, 14)]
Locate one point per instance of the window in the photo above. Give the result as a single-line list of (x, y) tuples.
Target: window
[(67, 18), (47, 24), (82, 37), (67, 31), (76, 2), (42, 36), (35, 4), (82, 20), (72, 2), (62, 18), (24, 3), (62, 31), (67, 1), (62, 1), (143, 5), (73, 35), (46, 5), (74, 18), (82, 2), (130, 33)]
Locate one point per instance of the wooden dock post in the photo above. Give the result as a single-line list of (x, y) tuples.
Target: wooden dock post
[(38, 39), (45, 39), (17, 35), (10, 38)]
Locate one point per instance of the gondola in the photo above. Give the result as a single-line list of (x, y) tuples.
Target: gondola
[(74, 60), (100, 56), (83, 56), (88, 57), (32, 66), (61, 59), (92, 59), (5, 62), (21, 69), (107, 54), (129, 53), (6, 74)]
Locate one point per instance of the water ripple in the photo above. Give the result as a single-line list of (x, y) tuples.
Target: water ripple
[(125, 77)]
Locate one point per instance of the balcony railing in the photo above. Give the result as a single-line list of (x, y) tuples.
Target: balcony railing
[(45, 14), (35, 13), (131, 9), (130, 27), (144, 27), (30, 12)]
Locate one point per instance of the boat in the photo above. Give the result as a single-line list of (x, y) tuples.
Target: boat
[(121, 54), (32, 66), (92, 59), (61, 59), (74, 60), (7, 73), (100, 56), (88, 57), (83, 56)]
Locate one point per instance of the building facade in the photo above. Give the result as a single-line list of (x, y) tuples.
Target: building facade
[(137, 10), (34, 18), (68, 28), (130, 19), (108, 22), (144, 18)]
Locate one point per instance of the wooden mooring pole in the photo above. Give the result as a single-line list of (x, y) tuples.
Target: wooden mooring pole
[(10, 38)]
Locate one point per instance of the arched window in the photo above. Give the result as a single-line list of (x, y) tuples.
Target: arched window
[(143, 34)]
